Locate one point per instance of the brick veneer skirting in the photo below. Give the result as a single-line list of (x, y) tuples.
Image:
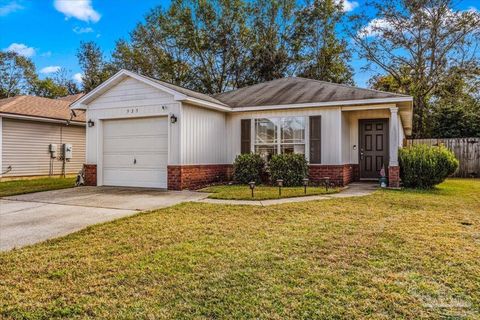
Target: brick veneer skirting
[(339, 175), (394, 176), (196, 176), (90, 173)]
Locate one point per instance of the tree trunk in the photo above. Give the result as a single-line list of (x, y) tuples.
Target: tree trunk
[(419, 116)]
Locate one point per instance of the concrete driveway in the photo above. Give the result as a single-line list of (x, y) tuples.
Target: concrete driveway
[(31, 218)]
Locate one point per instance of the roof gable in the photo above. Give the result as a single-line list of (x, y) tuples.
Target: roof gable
[(178, 93)]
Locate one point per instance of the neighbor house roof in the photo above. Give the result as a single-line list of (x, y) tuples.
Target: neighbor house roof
[(38, 107), (295, 90), (72, 97)]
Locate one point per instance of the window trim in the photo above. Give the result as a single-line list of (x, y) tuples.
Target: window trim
[(278, 144)]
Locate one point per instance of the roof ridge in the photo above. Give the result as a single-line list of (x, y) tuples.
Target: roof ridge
[(349, 86)]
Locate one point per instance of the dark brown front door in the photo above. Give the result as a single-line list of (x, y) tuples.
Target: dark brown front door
[(373, 150)]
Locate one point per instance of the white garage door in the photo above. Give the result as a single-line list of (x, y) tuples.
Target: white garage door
[(135, 152)]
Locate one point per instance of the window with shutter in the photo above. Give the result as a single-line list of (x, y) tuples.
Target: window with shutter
[(245, 145), (315, 139)]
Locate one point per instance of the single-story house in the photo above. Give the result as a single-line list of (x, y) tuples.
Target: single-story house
[(31, 127), (147, 133)]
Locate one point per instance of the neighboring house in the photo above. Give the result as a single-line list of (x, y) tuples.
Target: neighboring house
[(29, 125), (147, 133)]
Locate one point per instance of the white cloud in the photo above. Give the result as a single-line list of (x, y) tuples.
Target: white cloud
[(374, 28), (10, 8), (348, 5), (21, 49), (78, 77), (79, 30), (80, 9), (47, 54), (50, 69)]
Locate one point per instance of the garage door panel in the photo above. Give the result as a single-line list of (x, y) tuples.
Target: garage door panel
[(130, 127), (153, 178), (142, 139), (136, 144), (126, 160)]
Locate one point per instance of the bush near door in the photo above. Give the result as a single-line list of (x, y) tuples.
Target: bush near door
[(290, 167), (248, 167), (423, 167)]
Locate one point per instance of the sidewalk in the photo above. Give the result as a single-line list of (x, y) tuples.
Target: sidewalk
[(356, 189)]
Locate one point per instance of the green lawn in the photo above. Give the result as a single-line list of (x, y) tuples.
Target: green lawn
[(243, 192), (14, 187), (394, 254)]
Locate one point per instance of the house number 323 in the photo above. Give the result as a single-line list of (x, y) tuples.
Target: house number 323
[(132, 110)]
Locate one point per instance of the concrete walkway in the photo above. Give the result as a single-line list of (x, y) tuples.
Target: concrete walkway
[(357, 189)]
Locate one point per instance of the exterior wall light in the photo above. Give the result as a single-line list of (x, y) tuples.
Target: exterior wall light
[(90, 123), (280, 185), (252, 186), (173, 119)]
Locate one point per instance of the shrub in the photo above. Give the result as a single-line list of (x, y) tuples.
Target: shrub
[(248, 167), (423, 167), (292, 168)]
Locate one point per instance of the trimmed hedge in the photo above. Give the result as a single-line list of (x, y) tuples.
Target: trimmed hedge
[(248, 167), (292, 168), (423, 167)]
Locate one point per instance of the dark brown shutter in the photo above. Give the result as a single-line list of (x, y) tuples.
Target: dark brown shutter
[(245, 136), (315, 139)]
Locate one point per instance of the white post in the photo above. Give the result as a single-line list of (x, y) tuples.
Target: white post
[(394, 137)]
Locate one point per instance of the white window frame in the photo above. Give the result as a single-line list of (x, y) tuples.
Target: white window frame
[(277, 120)]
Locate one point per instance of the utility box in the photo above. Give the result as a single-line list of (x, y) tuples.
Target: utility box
[(52, 148), (67, 151)]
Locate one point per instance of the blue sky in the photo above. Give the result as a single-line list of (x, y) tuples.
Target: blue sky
[(49, 31)]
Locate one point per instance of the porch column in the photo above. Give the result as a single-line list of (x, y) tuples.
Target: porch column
[(393, 168)]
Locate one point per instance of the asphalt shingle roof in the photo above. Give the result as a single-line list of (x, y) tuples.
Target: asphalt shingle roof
[(295, 90), (34, 106)]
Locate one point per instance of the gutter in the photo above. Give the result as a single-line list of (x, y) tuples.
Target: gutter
[(41, 119)]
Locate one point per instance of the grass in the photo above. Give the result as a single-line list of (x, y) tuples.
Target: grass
[(14, 187), (395, 254), (261, 192)]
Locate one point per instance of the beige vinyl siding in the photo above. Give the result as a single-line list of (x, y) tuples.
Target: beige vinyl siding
[(25, 147), (204, 136)]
